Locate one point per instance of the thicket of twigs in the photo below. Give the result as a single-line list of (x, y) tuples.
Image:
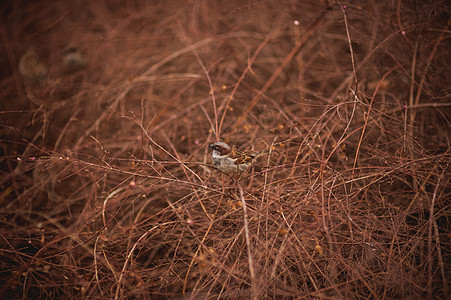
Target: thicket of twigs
[(107, 189)]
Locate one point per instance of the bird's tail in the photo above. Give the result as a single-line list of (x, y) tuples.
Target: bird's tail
[(258, 154)]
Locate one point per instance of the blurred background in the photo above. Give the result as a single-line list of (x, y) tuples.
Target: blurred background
[(107, 109)]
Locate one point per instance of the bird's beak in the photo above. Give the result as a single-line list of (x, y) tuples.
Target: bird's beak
[(211, 146)]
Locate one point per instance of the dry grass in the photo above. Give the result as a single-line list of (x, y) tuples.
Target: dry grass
[(106, 185)]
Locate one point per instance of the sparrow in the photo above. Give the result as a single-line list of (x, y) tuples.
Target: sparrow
[(31, 67), (229, 160), (73, 59)]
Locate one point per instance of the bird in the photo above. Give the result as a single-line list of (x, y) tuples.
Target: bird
[(31, 67), (73, 59), (230, 161)]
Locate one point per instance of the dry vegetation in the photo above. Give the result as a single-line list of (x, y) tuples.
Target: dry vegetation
[(106, 187)]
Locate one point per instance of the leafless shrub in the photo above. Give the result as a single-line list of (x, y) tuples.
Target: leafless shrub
[(107, 189)]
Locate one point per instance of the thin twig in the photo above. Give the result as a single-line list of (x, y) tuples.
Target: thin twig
[(248, 242)]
